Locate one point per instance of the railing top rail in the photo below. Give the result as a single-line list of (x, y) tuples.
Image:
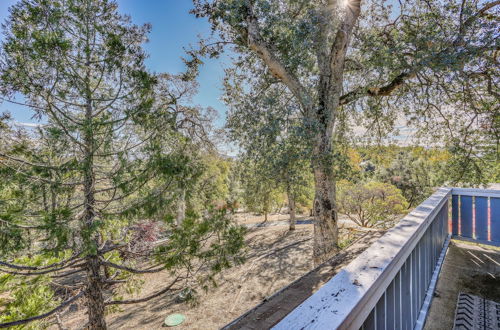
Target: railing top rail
[(345, 301), (476, 192)]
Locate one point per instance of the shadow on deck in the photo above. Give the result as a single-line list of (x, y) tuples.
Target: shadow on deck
[(468, 268)]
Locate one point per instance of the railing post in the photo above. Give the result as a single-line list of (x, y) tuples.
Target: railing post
[(455, 214), (481, 218), (495, 219)]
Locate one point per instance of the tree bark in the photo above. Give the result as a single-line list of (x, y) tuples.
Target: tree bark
[(331, 64), (325, 211), (93, 290), (291, 210), (95, 300), (267, 206)]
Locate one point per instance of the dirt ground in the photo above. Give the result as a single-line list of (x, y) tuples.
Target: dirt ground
[(244, 218), (276, 257), (249, 219), (274, 308)]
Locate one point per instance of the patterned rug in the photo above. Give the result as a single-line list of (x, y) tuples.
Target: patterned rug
[(476, 313)]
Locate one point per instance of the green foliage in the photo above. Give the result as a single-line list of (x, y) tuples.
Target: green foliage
[(211, 242), (274, 158), (260, 194), (475, 163), (117, 145), (371, 204), (346, 162), (427, 67), (212, 186), (417, 170), (415, 176), (27, 297)]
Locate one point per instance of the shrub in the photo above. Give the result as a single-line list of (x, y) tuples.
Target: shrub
[(371, 204)]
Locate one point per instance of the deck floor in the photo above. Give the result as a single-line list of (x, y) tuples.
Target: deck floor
[(468, 268)]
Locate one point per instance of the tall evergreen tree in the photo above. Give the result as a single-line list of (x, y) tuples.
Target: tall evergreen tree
[(106, 157)]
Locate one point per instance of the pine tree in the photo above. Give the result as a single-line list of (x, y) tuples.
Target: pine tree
[(105, 160)]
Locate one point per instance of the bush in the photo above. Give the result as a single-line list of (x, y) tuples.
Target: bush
[(371, 204), (414, 174)]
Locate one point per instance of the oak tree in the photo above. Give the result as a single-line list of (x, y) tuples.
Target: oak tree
[(368, 62)]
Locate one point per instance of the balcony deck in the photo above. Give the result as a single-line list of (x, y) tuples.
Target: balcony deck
[(392, 284), (468, 268)]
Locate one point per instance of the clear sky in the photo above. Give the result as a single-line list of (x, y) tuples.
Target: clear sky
[(173, 29)]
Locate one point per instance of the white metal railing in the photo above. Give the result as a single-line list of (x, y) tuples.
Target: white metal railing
[(388, 286)]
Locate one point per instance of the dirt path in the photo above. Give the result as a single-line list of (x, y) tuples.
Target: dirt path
[(282, 219)]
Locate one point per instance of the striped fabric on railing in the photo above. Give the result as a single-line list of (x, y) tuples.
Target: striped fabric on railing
[(476, 215)]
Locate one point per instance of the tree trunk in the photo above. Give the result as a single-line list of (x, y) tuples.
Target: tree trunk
[(266, 208), (95, 300), (331, 59), (181, 207), (325, 211), (291, 210), (93, 291), (325, 115), (325, 214)]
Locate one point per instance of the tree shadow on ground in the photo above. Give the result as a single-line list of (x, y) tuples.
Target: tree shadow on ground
[(273, 309), (273, 259)]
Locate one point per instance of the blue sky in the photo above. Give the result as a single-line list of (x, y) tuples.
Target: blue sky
[(173, 29)]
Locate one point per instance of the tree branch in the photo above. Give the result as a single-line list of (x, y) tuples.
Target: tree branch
[(385, 90), (42, 272), (25, 162), (339, 46), (19, 267), (7, 223), (132, 270), (265, 52), (401, 78)]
